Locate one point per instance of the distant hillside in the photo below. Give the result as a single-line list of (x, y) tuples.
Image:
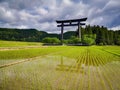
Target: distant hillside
[(31, 35), (101, 35)]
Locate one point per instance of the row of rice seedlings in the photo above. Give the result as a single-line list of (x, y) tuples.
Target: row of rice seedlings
[(112, 79), (95, 85), (84, 74), (81, 75), (72, 66), (86, 84), (99, 77), (104, 74), (108, 58), (73, 71), (107, 68), (63, 51), (98, 83), (67, 75), (111, 69), (99, 73), (111, 58), (89, 62), (115, 49), (73, 52), (102, 63), (75, 80), (63, 78), (92, 75)]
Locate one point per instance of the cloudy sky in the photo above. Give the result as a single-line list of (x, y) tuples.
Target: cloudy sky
[(42, 14)]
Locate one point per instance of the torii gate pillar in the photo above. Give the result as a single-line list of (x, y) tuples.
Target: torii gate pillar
[(62, 27), (79, 31)]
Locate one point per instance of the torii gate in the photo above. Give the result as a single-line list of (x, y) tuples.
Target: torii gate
[(72, 22)]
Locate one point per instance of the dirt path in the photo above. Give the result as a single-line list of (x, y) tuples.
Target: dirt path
[(18, 48), (17, 62)]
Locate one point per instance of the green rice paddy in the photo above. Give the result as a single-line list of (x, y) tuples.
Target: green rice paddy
[(60, 68), (17, 44)]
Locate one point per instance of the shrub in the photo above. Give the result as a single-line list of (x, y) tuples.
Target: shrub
[(49, 40), (73, 40), (89, 39)]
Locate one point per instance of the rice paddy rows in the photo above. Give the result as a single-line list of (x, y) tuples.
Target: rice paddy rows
[(65, 68)]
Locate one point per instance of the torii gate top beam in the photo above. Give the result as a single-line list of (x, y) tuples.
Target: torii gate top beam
[(71, 20)]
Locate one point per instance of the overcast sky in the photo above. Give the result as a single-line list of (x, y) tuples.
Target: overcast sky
[(42, 14)]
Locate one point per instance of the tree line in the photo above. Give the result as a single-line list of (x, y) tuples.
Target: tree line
[(90, 35), (101, 35)]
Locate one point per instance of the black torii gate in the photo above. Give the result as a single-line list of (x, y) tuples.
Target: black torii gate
[(72, 22)]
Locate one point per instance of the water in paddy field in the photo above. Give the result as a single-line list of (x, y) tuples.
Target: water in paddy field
[(91, 73), (82, 72)]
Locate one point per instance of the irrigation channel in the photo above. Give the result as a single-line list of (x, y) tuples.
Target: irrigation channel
[(80, 68)]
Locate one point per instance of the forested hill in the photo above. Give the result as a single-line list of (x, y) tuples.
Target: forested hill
[(31, 35), (97, 33)]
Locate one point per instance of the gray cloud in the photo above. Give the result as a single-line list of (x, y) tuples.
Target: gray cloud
[(41, 14)]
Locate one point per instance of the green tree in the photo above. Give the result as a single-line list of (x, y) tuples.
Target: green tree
[(73, 40), (89, 39)]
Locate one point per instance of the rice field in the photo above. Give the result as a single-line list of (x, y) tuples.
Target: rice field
[(17, 44), (61, 68)]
